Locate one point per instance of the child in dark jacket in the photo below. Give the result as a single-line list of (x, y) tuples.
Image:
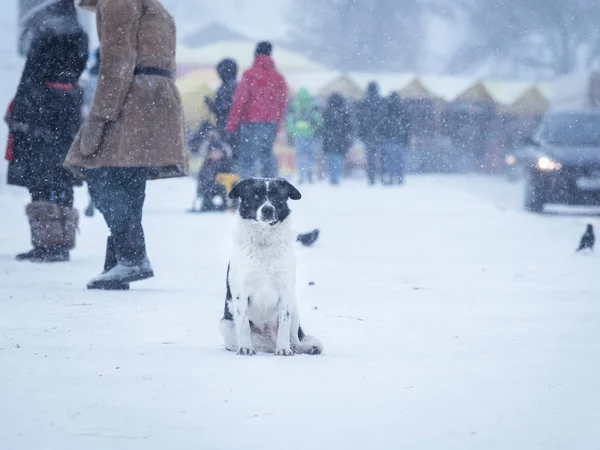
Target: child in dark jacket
[(217, 159)]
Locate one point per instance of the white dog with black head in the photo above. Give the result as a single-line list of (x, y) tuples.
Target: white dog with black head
[(261, 312)]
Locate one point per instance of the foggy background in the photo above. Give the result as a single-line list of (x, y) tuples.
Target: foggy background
[(505, 39)]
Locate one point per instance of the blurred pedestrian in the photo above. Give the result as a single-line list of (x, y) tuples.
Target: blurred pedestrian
[(220, 106), (394, 130), (135, 129), (337, 135), (217, 156), (43, 120), (369, 117), (304, 121), (259, 106)]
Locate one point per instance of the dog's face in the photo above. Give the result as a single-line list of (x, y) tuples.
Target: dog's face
[(264, 199)]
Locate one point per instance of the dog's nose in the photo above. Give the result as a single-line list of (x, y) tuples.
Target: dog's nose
[(267, 212)]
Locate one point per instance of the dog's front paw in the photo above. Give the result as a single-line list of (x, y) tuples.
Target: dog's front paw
[(283, 351), (246, 351)]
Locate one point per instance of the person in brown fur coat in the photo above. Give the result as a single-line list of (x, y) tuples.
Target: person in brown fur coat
[(134, 131)]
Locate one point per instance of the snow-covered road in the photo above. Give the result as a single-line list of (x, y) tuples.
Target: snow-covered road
[(451, 320)]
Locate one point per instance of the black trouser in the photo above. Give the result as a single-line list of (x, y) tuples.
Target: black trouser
[(372, 151), (60, 196), (119, 193)]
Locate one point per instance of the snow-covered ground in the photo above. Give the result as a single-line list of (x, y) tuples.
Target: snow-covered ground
[(451, 320)]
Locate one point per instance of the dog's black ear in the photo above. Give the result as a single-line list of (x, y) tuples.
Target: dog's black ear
[(292, 192), (236, 191)]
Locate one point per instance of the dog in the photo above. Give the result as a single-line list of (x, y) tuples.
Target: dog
[(588, 239), (261, 312)]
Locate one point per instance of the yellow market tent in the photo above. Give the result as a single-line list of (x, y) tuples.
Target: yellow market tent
[(342, 85), (446, 88), (416, 91), (531, 103), (506, 92), (197, 78), (194, 106), (477, 93)]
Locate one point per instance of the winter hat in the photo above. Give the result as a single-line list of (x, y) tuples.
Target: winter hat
[(264, 48), (89, 5), (372, 89), (227, 69)]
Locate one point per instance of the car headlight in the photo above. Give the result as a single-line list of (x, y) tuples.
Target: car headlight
[(546, 164)]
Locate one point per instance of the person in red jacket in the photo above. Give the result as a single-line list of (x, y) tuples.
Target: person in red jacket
[(259, 106)]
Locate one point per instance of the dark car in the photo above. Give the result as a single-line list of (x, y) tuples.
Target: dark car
[(562, 163)]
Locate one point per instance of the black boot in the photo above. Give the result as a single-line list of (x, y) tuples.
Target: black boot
[(31, 254), (110, 261), (308, 239)]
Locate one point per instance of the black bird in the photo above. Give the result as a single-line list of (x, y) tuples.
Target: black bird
[(308, 239), (588, 239)]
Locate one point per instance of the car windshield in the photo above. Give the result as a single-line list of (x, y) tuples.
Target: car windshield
[(572, 130)]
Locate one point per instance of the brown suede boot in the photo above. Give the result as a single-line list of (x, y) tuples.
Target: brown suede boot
[(47, 236)]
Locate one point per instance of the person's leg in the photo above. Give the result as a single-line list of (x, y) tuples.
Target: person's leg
[(206, 181), (64, 196), (247, 151), (339, 164), (386, 163), (89, 210), (400, 164), (335, 167), (127, 216), (301, 159), (310, 158), (69, 216), (119, 195), (329, 158), (46, 226), (371, 154), (266, 133), (40, 195)]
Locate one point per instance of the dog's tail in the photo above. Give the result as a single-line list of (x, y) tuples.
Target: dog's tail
[(309, 345)]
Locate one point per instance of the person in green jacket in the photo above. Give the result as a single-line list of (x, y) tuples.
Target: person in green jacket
[(304, 121)]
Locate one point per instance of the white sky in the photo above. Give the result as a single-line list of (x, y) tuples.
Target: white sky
[(260, 19)]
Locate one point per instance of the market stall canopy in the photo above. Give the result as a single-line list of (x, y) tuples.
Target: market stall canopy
[(343, 85), (531, 103), (477, 93), (416, 91), (194, 105), (198, 78), (506, 93), (447, 88)]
